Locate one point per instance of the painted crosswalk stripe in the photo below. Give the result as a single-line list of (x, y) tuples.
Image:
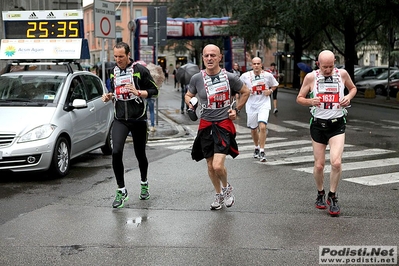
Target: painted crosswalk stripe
[(375, 180), (296, 123), (246, 140), (391, 121), (278, 128), (170, 142), (347, 154), (244, 148), (277, 145), (356, 165)]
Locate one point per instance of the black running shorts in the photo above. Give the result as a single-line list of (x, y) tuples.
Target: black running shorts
[(322, 130)]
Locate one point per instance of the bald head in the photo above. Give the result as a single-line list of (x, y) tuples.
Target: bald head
[(326, 55), (257, 65), (211, 47), (256, 59), (211, 56), (326, 62)]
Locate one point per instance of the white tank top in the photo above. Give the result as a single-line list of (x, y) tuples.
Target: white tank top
[(330, 90)]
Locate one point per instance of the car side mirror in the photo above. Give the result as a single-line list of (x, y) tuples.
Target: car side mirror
[(76, 104)]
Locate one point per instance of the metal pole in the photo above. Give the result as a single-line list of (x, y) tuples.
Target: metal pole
[(131, 32), (390, 34), (156, 28), (103, 61)]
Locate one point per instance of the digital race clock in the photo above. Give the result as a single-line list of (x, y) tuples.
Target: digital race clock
[(43, 24), (43, 34)]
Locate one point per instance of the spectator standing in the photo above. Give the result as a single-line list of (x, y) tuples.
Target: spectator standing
[(274, 71), (177, 83), (159, 77), (236, 69), (166, 75)]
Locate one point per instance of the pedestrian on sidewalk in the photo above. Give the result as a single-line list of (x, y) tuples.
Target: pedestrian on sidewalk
[(151, 109), (177, 83), (274, 71), (159, 77), (131, 84), (327, 125), (262, 84), (216, 88), (183, 102)]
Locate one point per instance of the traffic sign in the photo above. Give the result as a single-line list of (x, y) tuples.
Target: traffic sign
[(104, 19)]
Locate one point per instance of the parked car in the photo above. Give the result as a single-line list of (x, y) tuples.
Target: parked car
[(49, 117), (370, 72), (380, 83)]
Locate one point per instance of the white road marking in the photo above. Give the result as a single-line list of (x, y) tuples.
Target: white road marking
[(347, 154), (375, 180), (356, 165)]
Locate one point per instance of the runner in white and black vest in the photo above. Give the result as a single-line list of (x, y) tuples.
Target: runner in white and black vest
[(328, 104)]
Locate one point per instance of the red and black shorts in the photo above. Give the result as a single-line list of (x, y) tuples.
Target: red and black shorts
[(210, 146)]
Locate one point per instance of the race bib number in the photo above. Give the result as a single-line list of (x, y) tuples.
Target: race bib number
[(218, 95), (328, 98), (121, 93), (258, 87)]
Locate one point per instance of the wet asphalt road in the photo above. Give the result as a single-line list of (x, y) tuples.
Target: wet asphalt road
[(70, 222)]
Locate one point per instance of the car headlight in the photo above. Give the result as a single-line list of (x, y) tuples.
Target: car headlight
[(38, 133)]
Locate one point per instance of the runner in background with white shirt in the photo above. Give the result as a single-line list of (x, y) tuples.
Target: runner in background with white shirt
[(261, 84)]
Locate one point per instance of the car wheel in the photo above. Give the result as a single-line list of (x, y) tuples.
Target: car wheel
[(379, 90), (60, 163), (107, 148)]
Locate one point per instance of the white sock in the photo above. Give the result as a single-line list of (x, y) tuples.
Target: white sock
[(144, 183), (262, 150), (123, 189)]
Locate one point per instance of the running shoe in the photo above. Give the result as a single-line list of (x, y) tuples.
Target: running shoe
[(262, 157), (144, 194), (256, 153), (217, 204), (120, 199), (228, 195), (275, 111), (321, 201), (334, 209)]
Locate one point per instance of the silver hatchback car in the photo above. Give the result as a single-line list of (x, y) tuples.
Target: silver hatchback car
[(49, 117)]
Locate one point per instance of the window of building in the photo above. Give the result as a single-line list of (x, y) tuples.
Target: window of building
[(118, 16), (138, 13), (93, 39), (118, 35)]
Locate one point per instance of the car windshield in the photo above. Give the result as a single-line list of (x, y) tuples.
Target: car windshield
[(32, 89), (383, 75), (362, 71)]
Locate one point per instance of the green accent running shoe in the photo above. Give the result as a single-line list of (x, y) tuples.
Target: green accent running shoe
[(144, 194), (120, 199)]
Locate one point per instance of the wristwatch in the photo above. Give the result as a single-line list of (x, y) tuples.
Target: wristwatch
[(237, 111)]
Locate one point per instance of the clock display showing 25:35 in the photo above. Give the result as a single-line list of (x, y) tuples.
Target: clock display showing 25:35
[(51, 29)]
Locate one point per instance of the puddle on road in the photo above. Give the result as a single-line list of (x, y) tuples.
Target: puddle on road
[(136, 221)]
